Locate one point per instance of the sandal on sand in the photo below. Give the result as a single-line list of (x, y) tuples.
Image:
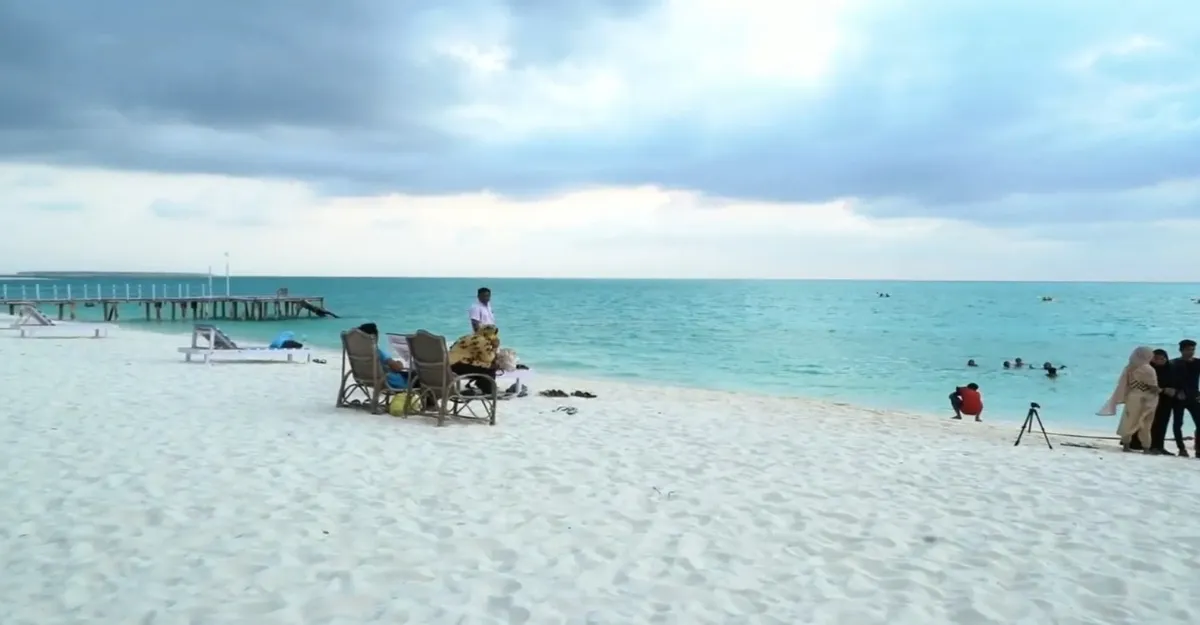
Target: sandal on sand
[(553, 393), (583, 394), (568, 410), (319, 361)]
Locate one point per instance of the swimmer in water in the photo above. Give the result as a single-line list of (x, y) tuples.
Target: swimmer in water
[(1018, 363), (1007, 365), (971, 363), (1051, 373)]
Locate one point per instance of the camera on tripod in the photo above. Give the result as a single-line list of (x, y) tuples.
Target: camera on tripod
[(1027, 426)]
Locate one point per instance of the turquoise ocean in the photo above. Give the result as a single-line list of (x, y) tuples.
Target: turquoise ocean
[(823, 339)]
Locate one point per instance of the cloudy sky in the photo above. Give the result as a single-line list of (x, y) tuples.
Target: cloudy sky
[(926, 139)]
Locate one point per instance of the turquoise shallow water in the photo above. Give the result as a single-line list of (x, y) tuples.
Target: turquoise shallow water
[(818, 339)]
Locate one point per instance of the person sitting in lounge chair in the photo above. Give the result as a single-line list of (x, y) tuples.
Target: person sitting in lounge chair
[(476, 353), (397, 373)]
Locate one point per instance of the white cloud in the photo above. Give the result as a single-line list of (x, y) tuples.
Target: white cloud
[(719, 59), (272, 227)]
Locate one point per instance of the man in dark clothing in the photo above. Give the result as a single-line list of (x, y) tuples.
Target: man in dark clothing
[(1185, 372), (1166, 403)]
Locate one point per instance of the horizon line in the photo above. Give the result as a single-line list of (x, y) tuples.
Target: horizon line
[(191, 274)]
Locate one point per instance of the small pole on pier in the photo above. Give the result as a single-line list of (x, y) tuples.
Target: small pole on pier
[(37, 291), (69, 292), (153, 291), (227, 292), (126, 290), (114, 291), (187, 290), (5, 292), (54, 290), (85, 291), (139, 291), (23, 292), (210, 289), (99, 291)]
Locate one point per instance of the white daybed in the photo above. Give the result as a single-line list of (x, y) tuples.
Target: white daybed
[(31, 323), (210, 344)]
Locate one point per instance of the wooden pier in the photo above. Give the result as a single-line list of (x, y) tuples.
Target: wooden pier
[(179, 306)]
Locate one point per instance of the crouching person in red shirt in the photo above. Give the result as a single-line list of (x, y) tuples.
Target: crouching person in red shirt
[(966, 400)]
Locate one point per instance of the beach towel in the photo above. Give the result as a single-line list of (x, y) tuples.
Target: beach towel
[(506, 359), (478, 349)]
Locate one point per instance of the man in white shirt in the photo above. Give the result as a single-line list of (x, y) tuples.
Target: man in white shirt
[(481, 310)]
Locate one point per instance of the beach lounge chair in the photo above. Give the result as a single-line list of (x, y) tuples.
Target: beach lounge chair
[(443, 393), (362, 373), (212, 345), (32, 323)]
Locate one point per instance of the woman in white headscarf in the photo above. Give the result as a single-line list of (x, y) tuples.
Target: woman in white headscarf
[(1137, 389)]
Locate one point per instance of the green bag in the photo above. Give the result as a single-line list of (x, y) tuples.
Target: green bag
[(402, 400)]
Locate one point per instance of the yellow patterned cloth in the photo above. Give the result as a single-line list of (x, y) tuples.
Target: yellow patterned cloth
[(478, 349)]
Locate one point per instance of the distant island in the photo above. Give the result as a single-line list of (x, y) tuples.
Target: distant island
[(103, 274)]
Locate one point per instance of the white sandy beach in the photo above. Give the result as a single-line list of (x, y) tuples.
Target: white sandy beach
[(140, 490)]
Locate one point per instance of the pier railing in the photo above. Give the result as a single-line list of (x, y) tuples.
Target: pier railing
[(180, 302), (56, 293)]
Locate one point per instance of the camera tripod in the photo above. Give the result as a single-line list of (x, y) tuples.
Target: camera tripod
[(1027, 426)]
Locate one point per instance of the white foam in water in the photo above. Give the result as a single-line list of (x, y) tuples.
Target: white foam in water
[(138, 489)]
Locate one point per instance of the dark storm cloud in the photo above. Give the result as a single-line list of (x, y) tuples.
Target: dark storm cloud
[(948, 105)]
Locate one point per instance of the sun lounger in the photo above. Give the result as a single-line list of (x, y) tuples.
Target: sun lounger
[(210, 344), (443, 393), (363, 374), (32, 323)]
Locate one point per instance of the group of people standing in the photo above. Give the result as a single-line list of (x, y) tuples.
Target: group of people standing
[(1157, 390)]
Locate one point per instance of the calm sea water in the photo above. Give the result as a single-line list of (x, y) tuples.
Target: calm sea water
[(834, 340)]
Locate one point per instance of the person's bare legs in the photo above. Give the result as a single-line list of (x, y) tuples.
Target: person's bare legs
[(956, 403)]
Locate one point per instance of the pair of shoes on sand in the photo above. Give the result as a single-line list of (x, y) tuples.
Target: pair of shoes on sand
[(558, 393), (567, 410)]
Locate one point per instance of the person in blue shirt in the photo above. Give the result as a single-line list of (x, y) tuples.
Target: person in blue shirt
[(397, 375)]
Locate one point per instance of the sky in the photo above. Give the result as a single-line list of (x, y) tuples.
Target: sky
[(875, 139)]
